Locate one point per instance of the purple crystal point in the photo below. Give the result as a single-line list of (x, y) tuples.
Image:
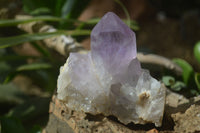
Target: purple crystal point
[(113, 44)]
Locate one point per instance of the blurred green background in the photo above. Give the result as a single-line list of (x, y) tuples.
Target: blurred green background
[(29, 70)]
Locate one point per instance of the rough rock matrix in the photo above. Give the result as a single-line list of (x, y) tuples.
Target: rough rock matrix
[(109, 79)]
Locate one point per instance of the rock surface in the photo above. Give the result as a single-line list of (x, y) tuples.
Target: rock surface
[(180, 117), (80, 122), (109, 79), (188, 122)]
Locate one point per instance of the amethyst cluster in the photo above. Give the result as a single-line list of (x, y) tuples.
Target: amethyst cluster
[(109, 79)]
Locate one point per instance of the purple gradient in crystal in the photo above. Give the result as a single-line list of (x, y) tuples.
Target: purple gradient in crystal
[(113, 44)]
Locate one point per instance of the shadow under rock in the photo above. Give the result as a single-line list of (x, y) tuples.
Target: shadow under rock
[(181, 108), (167, 124), (91, 117)]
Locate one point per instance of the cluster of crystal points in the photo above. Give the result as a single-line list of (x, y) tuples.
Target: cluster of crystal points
[(109, 78)]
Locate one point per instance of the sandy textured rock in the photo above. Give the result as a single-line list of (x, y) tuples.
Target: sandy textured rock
[(184, 112), (174, 99), (64, 120), (185, 118), (80, 122), (188, 122)]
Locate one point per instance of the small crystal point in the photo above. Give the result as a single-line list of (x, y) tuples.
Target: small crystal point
[(110, 22), (109, 79)]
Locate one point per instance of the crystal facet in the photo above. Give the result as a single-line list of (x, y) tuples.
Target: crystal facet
[(113, 44), (109, 79)]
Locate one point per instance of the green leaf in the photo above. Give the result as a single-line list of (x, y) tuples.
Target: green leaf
[(197, 80), (178, 86), (94, 21), (70, 8), (134, 25), (31, 5), (9, 93), (45, 79), (73, 8), (36, 129), (4, 70), (58, 7), (30, 109), (12, 41), (168, 80), (34, 66), (187, 70), (13, 22), (4, 66), (2, 52), (40, 49), (11, 125), (194, 92), (125, 11), (16, 57), (197, 51), (9, 77), (67, 7), (41, 10)]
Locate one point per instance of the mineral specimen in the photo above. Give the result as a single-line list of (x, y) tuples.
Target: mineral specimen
[(109, 79)]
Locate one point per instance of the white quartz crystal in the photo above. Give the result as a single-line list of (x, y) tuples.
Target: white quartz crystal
[(109, 79)]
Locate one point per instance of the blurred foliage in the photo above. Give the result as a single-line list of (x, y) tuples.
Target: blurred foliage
[(59, 8), (21, 108), (197, 80), (12, 41), (9, 93), (44, 69), (30, 109), (190, 79), (197, 51), (61, 11), (174, 85), (11, 125), (12, 65), (36, 129), (187, 70), (125, 11)]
